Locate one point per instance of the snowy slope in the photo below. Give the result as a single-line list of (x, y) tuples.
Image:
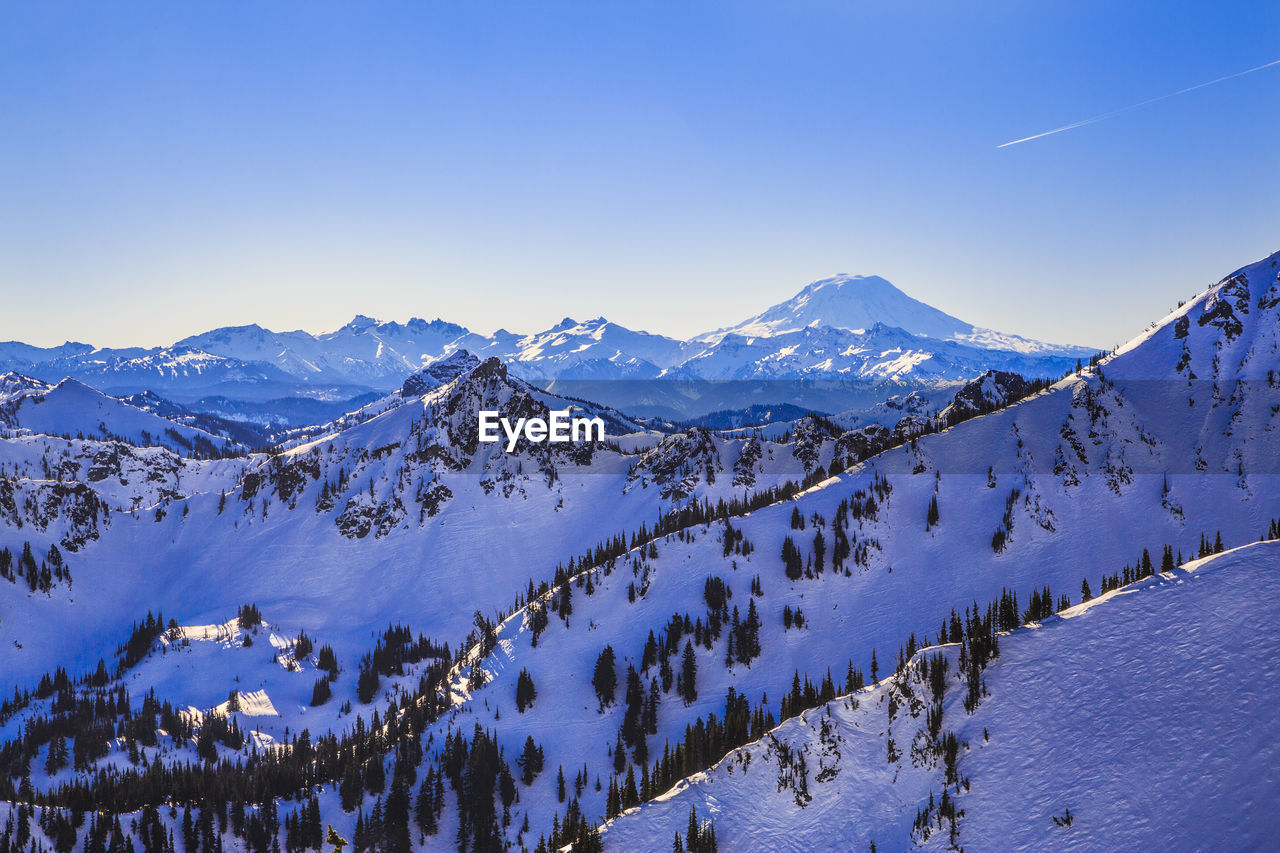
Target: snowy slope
[(397, 511), (74, 409), (1152, 715), (1113, 495), (397, 515)]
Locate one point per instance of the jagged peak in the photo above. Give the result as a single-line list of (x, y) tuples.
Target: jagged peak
[(490, 367), (439, 372), (360, 323)]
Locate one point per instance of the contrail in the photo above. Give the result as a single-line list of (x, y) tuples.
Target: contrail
[(1098, 118)]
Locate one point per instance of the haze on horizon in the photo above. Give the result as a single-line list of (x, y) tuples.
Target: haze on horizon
[(170, 169)]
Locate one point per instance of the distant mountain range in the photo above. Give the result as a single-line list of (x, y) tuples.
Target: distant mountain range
[(858, 331)]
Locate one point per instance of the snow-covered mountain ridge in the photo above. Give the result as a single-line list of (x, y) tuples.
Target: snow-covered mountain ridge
[(848, 328), (680, 555), (73, 408)]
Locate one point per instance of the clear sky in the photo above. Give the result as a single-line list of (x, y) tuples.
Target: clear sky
[(169, 167)]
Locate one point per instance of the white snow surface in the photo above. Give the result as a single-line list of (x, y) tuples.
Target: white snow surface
[(1152, 714), (75, 409), (1163, 443)]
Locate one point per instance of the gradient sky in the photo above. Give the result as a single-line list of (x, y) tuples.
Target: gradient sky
[(166, 167)]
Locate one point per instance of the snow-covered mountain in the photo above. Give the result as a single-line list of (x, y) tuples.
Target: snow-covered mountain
[(876, 353), (180, 371), (421, 640), (850, 329), (594, 349), (72, 408), (860, 302), (363, 352)]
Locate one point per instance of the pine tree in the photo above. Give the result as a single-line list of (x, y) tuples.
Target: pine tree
[(632, 730), (749, 634), (530, 761), (792, 561), (619, 754), (425, 810), (375, 776), (395, 817), (687, 683), (525, 691), (604, 678), (566, 600)]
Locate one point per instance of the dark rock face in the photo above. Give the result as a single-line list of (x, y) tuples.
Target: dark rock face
[(1224, 308), (434, 375), (991, 391)]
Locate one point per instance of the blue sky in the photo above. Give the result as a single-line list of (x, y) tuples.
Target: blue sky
[(170, 167)]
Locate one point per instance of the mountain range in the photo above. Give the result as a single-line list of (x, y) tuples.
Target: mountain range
[(859, 332), (926, 629)]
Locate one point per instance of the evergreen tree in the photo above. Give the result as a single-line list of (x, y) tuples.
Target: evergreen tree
[(749, 634), (632, 730), (321, 692), (375, 776), (367, 683), (525, 691), (604, 678), (792, 561), (395, 817), (530, 761), (686, 684), (566, 600), (619, 754)]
